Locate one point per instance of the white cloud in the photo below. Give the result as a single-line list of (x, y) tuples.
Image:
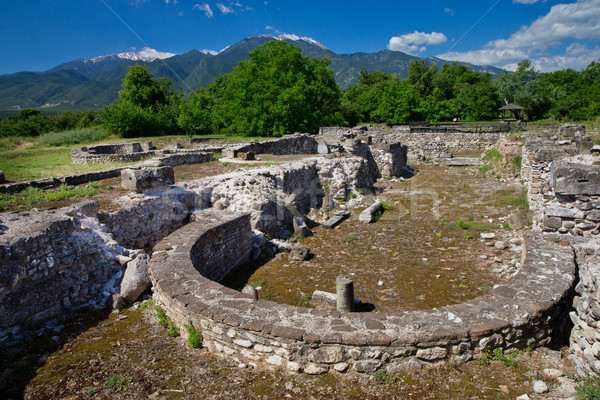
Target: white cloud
[(204, 7), (526, 1), (148, 53), (573, 21), (224, 9), (171, 1), (270, 28), (412, 42), (449, 11)]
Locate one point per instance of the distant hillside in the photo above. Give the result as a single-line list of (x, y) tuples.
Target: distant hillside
[(95, 83)]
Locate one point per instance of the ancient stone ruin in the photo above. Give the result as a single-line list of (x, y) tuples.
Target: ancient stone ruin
[(184, 238)]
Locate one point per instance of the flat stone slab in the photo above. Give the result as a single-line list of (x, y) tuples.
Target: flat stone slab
[(462, 161), (336, 220), (563, 212), (575, 179)]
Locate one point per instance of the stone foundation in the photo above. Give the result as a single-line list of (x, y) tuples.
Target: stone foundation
[(529, 311), (421, 146)]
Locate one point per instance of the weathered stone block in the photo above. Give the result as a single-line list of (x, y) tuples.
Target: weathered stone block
[(370, 213), (136, 278), (593, 215), (367, 366), (553, 222), (432, 353), (575, 179), (322, 147), (299, 252), (563, 212), (146, 178)]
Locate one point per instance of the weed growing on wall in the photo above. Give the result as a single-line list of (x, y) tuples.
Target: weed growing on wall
[(194, 336), (165, 322)]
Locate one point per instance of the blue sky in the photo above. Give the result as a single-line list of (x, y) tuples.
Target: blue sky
[(555, 34)]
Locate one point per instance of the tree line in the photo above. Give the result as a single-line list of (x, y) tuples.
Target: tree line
[(278, 91)]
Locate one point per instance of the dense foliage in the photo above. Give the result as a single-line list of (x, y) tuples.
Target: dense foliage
[(279, 91), (145, 106), (30, 122), (429, 93)]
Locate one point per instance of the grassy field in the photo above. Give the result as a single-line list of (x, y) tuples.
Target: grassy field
[(50, 154)]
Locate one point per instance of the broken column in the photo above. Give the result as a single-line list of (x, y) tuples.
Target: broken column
[(344, 288)]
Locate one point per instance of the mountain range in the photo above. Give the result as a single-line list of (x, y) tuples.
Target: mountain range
[(94, 83)]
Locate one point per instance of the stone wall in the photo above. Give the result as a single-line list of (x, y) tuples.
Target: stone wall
[(563, 193), (104, 153), (53, 262), (530, 310), (289, 144), (420, 145), (144, 219)]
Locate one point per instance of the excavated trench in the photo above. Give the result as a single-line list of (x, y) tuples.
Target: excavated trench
[(415, 257)]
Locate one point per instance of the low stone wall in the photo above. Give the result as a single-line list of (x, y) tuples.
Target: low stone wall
[(52, 262), (104, 153), (173, 160), (528, 311), (144, 219), (421, 146), (290, 144)]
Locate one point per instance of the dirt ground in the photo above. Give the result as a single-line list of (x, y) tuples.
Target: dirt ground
[(106, 355), (129, 356)]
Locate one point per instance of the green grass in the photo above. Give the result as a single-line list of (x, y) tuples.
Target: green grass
[(194, 336), (50, 154), (493, 156), (118, 382), (256, 284), (12, 142), (33, 195), (589, 388), (385, 377), (71, 138), (497, 355), (512, 198), (470, 224), (165, 322), (349, 238), (36, 163)]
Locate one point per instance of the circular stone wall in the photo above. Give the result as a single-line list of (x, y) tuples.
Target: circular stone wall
[(528, 311)]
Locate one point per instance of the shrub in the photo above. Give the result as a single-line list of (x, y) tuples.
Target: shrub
[(70, 138)]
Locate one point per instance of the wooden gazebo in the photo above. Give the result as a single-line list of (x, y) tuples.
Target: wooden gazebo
[(515, 108)]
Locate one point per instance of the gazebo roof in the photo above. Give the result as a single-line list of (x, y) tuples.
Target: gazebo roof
[(512, 106)]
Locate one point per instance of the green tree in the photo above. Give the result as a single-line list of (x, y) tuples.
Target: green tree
[(145, 106), (196, 115), (278, 91), (421, 75), (373, 99), (524, 87), (29, 122)]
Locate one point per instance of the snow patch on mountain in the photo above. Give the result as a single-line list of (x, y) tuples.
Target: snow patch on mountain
[(146, 54), (295, 38)]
